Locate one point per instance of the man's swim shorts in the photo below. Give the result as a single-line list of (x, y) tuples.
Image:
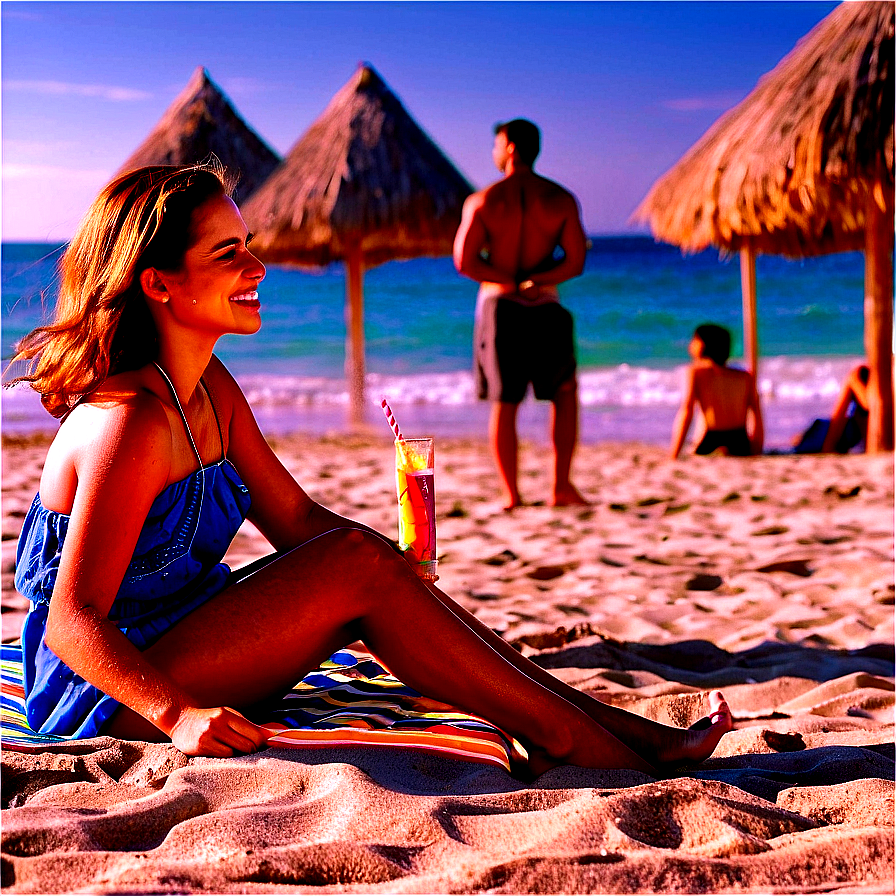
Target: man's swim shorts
[(516, 344)]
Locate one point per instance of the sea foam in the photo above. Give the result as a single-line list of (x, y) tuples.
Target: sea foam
[(624, 402)]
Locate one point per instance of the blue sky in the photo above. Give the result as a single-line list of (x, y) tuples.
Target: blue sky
[(621, 90)]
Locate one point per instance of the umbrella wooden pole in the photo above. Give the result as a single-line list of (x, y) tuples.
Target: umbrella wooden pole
[(748, 294), (354, 334), (879, 324)]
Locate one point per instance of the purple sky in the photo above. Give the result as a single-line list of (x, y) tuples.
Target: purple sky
[(621, 90)]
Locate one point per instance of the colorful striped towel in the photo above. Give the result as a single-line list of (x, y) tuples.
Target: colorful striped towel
[(350, 700)]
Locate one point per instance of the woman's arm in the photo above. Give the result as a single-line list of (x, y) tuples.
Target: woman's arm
[(120, 470), (280, 509)]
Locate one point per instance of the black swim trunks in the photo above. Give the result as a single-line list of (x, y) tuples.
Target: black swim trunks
[(517, 344), (735, 441)]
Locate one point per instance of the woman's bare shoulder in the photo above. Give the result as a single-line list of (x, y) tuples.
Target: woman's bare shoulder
[(123, 409), (135, 398), (121, 422)]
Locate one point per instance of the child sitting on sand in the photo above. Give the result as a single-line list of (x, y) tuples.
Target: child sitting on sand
[(727, 398), (136, 629)]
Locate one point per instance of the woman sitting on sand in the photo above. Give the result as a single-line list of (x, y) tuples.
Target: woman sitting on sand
[(135, 628)]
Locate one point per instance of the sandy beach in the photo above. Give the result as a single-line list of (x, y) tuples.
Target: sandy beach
[(770, 577)]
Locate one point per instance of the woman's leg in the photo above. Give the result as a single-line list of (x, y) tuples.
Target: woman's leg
[(257, 638), (658, 744)]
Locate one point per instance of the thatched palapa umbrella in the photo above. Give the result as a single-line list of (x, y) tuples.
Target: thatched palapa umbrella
[(202, 122), (803, 166), (365, 184)]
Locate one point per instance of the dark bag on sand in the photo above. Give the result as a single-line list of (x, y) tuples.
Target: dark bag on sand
[(812, 440)]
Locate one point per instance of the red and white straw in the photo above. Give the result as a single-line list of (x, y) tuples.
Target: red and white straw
[(392, 421)]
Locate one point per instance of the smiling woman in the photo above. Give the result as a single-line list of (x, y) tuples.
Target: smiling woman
[(136, 628), (102, 322), (215, 288)]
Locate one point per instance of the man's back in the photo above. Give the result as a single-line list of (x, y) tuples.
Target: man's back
[(524, 216)]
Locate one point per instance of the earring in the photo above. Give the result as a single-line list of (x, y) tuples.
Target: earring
[(194, 301)]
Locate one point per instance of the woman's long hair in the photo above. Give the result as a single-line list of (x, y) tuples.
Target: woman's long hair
[(102, 325)]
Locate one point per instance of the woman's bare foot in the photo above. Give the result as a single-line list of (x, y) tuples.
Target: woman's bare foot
[(674, 747), (698, 742)]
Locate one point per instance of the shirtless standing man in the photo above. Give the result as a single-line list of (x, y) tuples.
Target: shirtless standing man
[(727, 398), (507, 242)]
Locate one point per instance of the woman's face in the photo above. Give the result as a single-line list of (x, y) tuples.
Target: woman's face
[(215, 288)]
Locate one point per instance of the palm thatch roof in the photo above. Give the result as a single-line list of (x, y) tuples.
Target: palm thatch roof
[(201, 122), (789, 170), (364, 176)]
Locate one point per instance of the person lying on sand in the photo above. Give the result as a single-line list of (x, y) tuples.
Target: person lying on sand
[(727, 398), (135, 627)]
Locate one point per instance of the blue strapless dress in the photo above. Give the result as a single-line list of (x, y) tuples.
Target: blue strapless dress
[(176, 567)]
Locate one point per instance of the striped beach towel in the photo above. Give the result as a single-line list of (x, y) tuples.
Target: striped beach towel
[(351, 700)]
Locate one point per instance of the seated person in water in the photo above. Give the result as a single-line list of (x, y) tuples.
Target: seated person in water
[(849, 420), (136, 629), (727, 399)]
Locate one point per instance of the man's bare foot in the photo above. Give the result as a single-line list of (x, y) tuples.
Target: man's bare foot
[(511, 501), (568, 496), (698, 742)]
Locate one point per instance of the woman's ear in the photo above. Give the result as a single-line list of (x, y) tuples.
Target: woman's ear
[(153, 285)]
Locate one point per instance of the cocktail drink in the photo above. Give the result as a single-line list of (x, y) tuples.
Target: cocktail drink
[(415, 483)]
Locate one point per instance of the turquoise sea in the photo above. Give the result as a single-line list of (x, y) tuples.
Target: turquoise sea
[(635, 307)]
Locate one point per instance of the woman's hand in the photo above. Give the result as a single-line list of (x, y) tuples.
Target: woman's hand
[(218, 731)]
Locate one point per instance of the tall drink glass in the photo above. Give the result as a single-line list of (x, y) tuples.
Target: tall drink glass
[(415, 483)]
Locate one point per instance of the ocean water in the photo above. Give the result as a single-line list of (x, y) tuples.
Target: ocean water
[(635, 307)]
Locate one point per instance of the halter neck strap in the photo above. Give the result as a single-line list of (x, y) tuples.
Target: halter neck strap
[(180, 409)]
